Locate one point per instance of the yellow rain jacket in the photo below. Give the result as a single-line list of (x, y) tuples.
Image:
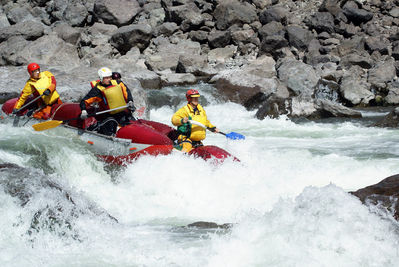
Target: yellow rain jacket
[(197, 132), (37, 87)]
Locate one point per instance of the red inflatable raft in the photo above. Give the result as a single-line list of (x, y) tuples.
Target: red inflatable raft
[(141, 137)]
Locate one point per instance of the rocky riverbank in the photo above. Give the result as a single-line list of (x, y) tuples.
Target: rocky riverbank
[(307, 58)]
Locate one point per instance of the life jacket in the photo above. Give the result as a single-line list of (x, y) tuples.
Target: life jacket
[(42, 84), (197, 132), (113, 96)]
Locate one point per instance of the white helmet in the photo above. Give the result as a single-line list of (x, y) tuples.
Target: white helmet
[(104, 72)]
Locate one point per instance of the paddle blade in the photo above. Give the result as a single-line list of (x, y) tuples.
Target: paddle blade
[(46, 125), (235, 136)]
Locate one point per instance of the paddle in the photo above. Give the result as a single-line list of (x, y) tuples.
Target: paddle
[(16, 119), (46, 125), (232, 135)]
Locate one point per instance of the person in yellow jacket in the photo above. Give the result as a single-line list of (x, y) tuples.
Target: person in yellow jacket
[(110, 94), (191, 135), (39, 84)]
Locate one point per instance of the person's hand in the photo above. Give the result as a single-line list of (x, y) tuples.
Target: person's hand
[(14, 111), (131, 106), (83, 115), (216, 130), (47, 92), (184, 120)]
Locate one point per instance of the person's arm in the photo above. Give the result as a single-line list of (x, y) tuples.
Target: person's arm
[(26, 92), (53, 82), (126, 92), (94, 95), (180, 117)]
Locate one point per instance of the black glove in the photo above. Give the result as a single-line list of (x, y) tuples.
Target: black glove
[(14, 111), (47, 92)]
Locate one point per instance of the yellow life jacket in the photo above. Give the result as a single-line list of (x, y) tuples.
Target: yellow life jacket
[(197, 132), (42, 84), (113, 96)]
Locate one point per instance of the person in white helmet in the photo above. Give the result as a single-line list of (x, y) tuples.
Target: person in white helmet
[(110, 94)]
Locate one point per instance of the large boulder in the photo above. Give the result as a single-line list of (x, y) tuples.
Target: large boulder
[(382, 73), (384, 194), (164, 55), (299, 77), (355, 88), (19, 14), (240, 84), (126, 37), (50, 50), (356, 15), (117, 12), (299, 37), (29, 30), (231, 12), (390, 120)]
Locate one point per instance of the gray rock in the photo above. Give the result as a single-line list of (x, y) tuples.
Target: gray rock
[(133, 35), (67, 33), (240, 84), (167, 29), (51, 50), (356, 58), (322, 22), (392, 97), (379, 44), (193, 64), (302, 107), (221, 55), (188, 14), (199, 36), (354, 87), (299, 77), (383, 195), (219, 39), (117, 12), (382, 73), (271, 44), (29, 30), (274, 13), (299, 37), (356, 15), (172, 79), (3, 20), (75, 14), (230, 12), (10, 51), (166, 55), (19, 14), (148, 79), (327, 108)]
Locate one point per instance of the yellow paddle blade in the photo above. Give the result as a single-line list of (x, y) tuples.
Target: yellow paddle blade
[(46, 125)]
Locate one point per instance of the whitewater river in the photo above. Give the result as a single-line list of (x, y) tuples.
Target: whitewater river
[(287, 199)]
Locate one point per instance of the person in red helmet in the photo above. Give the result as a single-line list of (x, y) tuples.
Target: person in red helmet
[(191, 136), (39, 84)]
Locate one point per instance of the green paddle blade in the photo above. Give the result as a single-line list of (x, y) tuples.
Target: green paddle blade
[(46, 125)]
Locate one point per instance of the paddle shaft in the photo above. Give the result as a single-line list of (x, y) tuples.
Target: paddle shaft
[(203, 126), (30, 102)]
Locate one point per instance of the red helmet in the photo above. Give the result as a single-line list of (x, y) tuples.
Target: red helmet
[(32, 67), (192, 93)]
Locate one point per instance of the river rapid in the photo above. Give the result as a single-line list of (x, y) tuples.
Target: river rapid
[(287, 200)]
